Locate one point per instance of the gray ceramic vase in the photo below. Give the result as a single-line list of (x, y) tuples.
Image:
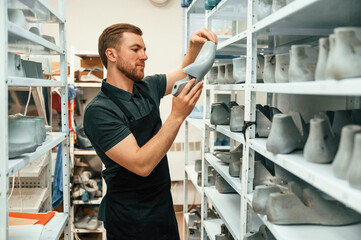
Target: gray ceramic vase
[(23, 136), (228, 76), (198, 165), (269, 69), (354, 171), (235, 168), (282, 65), (343, 157), (284, 136), (219, 114), (324, 48), (239, 69), (278, 4), (263, 121), (304, 205), (321, 145), (260, 197), (329, 63), (236, 121), (223, 186), (212, 75), (346, 62), (221, 74), (303, 60), (15, 66), (264, 9)]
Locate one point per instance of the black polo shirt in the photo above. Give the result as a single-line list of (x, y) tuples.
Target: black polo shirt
[(106, 125)]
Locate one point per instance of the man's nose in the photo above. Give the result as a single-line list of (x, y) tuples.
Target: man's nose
[(143, 56)]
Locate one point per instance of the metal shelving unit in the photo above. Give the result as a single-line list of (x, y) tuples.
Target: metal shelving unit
[(312, 18), (21, 41), (81, 152)]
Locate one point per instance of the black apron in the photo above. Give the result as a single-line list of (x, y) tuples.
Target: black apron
[(140, 207)]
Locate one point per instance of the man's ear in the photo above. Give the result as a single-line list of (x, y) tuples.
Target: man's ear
[(111, 54)]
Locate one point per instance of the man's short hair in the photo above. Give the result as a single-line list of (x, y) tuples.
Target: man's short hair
[(111, 38)]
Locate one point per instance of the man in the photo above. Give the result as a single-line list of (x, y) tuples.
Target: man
[(123, 123)]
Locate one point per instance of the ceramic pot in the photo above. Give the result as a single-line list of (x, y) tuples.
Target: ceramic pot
[(282, 65), (236, 119), (302, 127), (343, 156), (269, 68), (354, 171), (303, 60), (17, 16), (198, 165), (15, 65), (329, 63), (221, 74), (278, 4), (260, 68), (346, 61), (261, 174), (35, 30), (212, 75), (228, 76), (264, 9), (235, 168), (284, 136), (263, 121), (239, 69), (260, 197), (40, 128), (223, 186), (219, 114), (304, 205), (321, 145), (23, 136), (324, 47)]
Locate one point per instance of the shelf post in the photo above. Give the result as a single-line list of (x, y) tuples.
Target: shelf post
[(4, 177)]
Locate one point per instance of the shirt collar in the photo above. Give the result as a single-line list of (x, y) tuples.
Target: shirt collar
[(120, 93)]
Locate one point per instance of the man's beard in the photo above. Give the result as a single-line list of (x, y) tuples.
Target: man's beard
[(130, 72)]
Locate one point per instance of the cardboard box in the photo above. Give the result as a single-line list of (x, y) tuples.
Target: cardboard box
[(55, 69), (84, 73), (91, 62)]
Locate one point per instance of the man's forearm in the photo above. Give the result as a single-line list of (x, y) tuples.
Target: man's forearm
[(155, 149)]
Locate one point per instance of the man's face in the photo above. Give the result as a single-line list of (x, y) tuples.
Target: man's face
[(131, 57)]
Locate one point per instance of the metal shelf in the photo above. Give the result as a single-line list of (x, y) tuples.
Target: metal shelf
[(235, 45), (52, 139), (28, 200), (186, 218), (346, 87), (310, 17), (319, 175), (197, 6), (224, 129), (35, 168), (300, 232), (84, 152), (197, 122), (228, 207), (54, 228), (91, 202), (226, 87), (43, 11), (223, 170), (86, 54), (33, 82), (213, 227), (98, 230), (88, 84), (24, 41), (192, 175), (229, 10)]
